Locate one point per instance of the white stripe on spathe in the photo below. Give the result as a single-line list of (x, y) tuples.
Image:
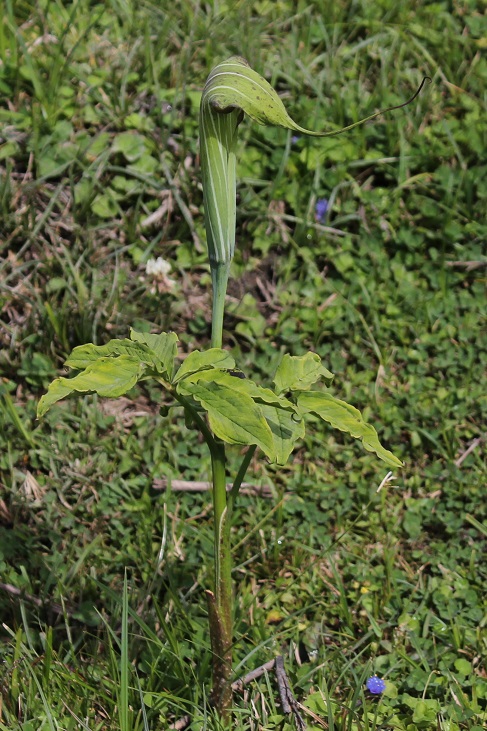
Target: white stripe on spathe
[(231, 86)]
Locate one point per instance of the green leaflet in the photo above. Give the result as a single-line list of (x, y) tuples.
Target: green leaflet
[(264, 395), (110, 377), (157, 351), (81, 356), (232, 414), (204, 360), (241, 412), (298, 373), (286, 429), (346, 418), (163, 346)]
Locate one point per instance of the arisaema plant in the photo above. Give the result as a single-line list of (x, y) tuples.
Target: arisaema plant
[(229, 409)]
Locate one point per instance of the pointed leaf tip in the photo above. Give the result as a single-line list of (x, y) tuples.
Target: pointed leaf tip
[(345, 417)]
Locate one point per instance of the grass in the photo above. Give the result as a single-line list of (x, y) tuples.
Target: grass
[(98, 135)]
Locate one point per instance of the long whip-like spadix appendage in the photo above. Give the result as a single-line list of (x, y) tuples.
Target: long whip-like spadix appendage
[(232, 89)]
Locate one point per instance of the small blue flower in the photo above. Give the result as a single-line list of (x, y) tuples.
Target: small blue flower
[(321, 209), (375, 685), (295, 139)]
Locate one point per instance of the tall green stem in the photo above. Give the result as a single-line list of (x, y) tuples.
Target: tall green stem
[(219, 278), (222, 564), (220, 599), (220, 602)]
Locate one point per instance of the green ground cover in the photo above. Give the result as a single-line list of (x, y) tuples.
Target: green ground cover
[(99, 174)]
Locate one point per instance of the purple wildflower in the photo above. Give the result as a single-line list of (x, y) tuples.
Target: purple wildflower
[(321, 209), (295, 139), (375, 685)]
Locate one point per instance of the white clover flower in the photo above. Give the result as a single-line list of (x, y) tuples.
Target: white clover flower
[(159, 269)]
